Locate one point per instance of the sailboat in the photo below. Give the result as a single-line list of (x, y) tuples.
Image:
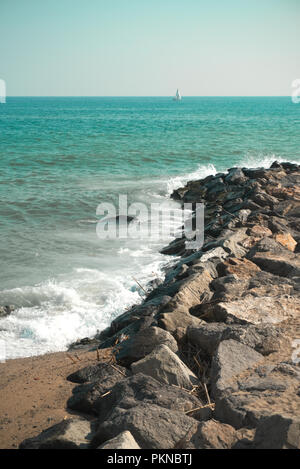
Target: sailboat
[(177, 96)]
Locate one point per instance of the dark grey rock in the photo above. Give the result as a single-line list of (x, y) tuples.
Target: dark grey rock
[(142, 343), (102, 371), (68, 434), (206, 336), (278, 432), (141, 388), (6, 310), (86, 396), (230, 359), (235, 176), (166, 367), (152, 426)]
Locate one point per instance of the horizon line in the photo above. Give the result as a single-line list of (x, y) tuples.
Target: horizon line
[(147, 96)]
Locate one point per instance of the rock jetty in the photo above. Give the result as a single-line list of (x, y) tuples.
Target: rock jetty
[(210, 359)]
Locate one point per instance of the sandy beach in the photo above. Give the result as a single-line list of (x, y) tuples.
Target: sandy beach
[(34, 393)]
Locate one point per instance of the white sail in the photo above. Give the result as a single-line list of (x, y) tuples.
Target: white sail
[(177, 97)]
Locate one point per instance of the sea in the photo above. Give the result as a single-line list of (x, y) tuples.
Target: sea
[(62, 157)]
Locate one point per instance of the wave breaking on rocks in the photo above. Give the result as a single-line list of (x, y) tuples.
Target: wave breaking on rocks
[(210, 358)]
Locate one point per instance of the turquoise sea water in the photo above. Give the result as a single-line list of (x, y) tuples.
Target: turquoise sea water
[(61, 157)]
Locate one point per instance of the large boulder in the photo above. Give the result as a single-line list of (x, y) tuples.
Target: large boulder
[(207, 336), (257, 309), (261, 393), (284, 264), (124, 440), (148, 308), (278, 432), (230, 359), (165, 366), (286, 240), (264, 338), (241, 268), (144, 389), (192, 291), (85, 397), (68, 434), (142, 343), (175, 320), (214, 435), (104, 372), (152, 426), (235, 176)]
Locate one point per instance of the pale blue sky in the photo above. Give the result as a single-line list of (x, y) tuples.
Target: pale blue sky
[(149, 47)]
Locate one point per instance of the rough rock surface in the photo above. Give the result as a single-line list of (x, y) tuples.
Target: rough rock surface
[(231, 359), (142, 388), (102, 371), (68, 434), (278, 432), (165, 366), (124, 440), (152, 426), (214, 435), (141, 344)]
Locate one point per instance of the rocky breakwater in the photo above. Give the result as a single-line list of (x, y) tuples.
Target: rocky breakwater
[(209, 360)]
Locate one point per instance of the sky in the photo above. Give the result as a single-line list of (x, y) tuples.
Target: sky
[(149, 47)]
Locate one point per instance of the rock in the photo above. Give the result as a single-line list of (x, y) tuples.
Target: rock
[(166, 367), (152, 426), (192, 291), (228, 288), (141, 388), (68, 434), (133, 328), (148, 308), (235, 176), (286, 240), (230, 359), (290, 166), (257, 310), (277, 225), (283, 264), (264, 200), (214, 435), (259, 231), (171, 322), (102, 371), (141, 344), (265, 339), (278, 432), (175, 247), (232, 242), (266, 244), (206, 336), (242, 268), (6, 310), (217, 252), (86, 396), (124, 440), (87, 343), (260, 393)]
